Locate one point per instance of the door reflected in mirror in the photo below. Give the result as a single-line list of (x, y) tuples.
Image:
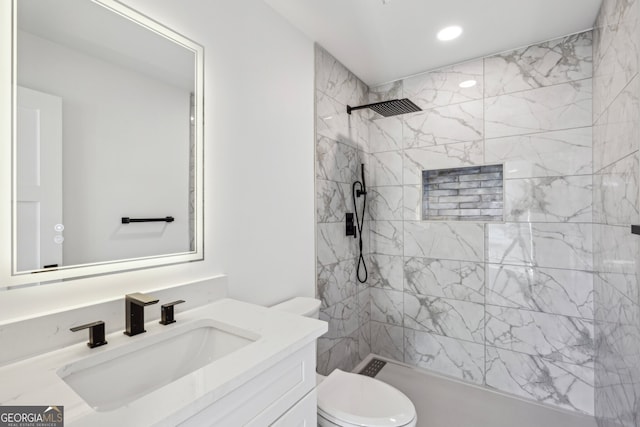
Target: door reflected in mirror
[(107, 126)]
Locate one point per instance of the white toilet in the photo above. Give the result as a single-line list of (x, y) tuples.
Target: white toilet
[(353, 400)]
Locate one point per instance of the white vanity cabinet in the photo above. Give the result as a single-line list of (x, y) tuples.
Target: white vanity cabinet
[(261, 372), (283, 395)]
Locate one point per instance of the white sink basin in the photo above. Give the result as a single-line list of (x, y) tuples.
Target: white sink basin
[(113, 378)]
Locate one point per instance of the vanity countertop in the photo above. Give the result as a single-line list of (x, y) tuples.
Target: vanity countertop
[(35, 381)]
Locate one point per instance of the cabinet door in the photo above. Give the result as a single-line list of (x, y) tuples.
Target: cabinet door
[(302, 414), (265, 398)]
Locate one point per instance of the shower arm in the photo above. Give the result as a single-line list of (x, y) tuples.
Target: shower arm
[(361, 107)]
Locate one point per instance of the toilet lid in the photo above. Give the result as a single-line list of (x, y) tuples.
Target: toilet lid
[(364, 401)]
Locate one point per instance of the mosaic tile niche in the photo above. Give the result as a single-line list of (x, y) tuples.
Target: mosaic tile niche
[(463, 194)]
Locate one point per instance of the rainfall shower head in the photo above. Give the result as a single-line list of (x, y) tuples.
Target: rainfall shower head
[(389, 108)]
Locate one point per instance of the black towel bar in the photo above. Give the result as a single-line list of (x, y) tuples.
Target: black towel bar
[(127, 220)]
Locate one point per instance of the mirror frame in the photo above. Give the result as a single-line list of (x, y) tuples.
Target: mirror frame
[(9, 276)]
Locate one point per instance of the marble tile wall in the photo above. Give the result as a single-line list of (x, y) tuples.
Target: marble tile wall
[(341, 146), (616, 129), (507, 305)]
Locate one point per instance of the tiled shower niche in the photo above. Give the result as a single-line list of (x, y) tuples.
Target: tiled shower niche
[(463, 194)]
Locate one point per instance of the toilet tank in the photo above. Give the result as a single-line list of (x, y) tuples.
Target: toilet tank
[(303, 306)]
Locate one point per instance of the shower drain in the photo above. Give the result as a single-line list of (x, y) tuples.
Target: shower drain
[(372, 368)]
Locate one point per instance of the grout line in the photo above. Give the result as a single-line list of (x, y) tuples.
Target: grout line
[(567, 82), (590, 126), (549, 176), (485, 240)]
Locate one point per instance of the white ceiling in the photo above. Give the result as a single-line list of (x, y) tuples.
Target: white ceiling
[(384, 42)]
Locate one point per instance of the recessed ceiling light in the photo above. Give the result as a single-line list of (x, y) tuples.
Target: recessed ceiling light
[(449, 33), (467, 84)]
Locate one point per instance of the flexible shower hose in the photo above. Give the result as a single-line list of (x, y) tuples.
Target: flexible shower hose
[(360, 223)]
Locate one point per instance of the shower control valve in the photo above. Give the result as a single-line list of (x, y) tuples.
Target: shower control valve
[(350, 225)]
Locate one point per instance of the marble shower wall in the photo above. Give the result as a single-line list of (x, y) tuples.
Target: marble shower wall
[(507, 305), (616, 127), (341, 146)]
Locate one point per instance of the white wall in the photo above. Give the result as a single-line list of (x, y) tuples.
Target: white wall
[(259, 177), (258, 143), (113, 166)]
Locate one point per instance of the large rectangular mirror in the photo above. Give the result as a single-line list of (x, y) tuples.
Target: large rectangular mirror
[(106, 141)]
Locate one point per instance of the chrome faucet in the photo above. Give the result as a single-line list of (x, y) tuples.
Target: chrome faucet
[(134, 312)]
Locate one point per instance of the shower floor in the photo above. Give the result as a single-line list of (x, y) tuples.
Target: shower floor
[(442, 402)]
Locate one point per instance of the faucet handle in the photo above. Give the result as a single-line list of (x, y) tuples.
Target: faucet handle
[(166, 312), (139, 298), (96, 333)]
